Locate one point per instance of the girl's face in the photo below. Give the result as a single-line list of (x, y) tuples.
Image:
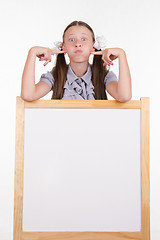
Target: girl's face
[(78, 43)]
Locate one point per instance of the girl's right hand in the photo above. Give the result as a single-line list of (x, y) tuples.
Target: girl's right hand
[(44, 54)]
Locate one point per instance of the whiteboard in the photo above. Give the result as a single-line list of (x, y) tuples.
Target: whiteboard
[(82, 170)]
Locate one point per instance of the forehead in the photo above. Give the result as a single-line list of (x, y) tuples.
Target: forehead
[(78, 30)]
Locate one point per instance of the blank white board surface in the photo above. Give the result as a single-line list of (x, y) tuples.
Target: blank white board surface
[(82, 170)]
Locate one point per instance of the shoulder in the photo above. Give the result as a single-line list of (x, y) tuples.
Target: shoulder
[(48, 78), (47, 75), (109, 77)]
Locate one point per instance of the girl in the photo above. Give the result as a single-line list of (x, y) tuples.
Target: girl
[(78, 80)]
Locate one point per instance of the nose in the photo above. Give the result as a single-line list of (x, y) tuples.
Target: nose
[(77, 44)]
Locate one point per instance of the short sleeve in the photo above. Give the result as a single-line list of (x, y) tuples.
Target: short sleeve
[(48, 78), (111, 76)]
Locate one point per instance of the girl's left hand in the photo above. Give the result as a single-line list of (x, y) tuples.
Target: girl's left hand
[(109, 54)]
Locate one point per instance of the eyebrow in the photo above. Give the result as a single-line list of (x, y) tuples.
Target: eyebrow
[(75, 34)]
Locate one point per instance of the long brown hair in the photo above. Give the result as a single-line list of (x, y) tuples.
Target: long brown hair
[(59, 72)]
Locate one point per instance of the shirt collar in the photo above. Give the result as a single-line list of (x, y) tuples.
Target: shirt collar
[(71, 77)]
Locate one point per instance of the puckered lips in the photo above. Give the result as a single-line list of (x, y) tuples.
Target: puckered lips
[(78, 51)]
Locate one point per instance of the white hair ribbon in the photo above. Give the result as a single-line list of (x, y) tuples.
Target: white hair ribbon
[(58, 45), (100, 43)]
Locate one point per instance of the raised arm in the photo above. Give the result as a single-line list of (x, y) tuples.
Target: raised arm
[(121, 90), (29, 90)]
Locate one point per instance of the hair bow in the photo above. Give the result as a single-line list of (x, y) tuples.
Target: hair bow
[(100, 43), (58, 45)]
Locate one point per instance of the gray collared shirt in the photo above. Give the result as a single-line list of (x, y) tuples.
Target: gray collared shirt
[(76, 88)]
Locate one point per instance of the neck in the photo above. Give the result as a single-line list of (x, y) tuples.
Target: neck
[(79, 69)]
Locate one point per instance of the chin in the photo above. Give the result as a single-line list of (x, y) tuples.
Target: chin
[(80, 59)]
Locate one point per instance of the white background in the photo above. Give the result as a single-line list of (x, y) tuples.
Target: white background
[(131, 25)]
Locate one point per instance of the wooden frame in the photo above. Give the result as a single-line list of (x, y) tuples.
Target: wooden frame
[(144, 234)]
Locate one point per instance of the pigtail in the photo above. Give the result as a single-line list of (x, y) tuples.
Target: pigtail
[(59, 73), (98, 74)]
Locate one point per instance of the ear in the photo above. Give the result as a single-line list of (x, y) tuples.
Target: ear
[(93, 48), (63, 47)]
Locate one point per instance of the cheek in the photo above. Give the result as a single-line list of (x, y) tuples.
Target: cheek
[(89, 46), (69, 51), (88, 49), (68, 48)]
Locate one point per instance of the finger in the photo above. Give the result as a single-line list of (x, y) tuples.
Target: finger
[(41, 59), (108, 68), (104, 59), (104, 64), (46, 63), (97, 53), (107, 61), (45, 57), (108, 56), (57, 52)]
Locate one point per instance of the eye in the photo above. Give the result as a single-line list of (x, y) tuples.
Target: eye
[(71, 39), (84, 39)]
